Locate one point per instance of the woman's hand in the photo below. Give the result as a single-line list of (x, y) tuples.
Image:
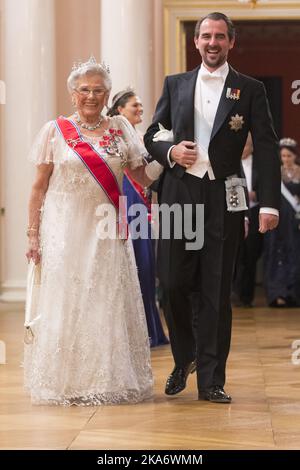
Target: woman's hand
[(37, 196), (33, 249)]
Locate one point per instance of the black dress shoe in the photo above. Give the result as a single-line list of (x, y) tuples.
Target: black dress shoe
[(216, 394), (176, 381)]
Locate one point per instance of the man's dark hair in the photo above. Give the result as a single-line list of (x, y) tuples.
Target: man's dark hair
[(216, 16)]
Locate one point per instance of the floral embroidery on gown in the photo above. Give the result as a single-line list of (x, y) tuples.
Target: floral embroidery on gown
[(91, 346)]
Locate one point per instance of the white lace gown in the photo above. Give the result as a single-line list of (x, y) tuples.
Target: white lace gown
[(91, 346)]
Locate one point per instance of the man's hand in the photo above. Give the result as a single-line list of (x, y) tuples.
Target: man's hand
[(184, 153), (267, 222)]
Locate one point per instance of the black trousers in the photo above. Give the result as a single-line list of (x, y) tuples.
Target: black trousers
[(197, 284), (249, 252)]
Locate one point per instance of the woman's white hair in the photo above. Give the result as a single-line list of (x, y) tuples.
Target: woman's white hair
[(91, 67)]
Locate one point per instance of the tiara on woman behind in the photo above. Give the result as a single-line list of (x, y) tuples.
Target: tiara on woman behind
[(119, 95), (92, 61), (287, 141)]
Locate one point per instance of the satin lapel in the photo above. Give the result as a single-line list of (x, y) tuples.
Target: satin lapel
[(186, 100), (225, 104)]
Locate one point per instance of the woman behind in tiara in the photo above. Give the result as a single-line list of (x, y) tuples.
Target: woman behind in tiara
[(126, 103), (90, 345), (282, 245)]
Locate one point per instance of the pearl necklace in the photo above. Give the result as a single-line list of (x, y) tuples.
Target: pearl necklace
[(84, 125)]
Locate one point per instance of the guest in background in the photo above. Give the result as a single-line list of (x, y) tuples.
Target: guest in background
[(282, 246), (127, 104), (251, 248)]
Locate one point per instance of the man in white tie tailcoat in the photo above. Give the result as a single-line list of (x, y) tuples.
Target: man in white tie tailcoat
[(210, 111)]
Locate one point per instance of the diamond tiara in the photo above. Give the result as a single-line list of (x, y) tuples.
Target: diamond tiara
[(287, 141), (119, 95), (92, 61)]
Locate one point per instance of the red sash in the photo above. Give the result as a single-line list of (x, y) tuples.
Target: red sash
[(96, 165)]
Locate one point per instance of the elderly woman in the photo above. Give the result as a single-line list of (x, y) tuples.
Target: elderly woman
[(91, 344), (126, 103)]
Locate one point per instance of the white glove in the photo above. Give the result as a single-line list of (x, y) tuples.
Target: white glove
[(163, 134)]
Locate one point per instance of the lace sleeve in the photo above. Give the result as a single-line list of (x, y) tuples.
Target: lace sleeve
[(42, 147), (135, 148)]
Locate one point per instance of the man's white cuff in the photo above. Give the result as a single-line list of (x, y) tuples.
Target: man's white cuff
[(269, 210), (169, 159)]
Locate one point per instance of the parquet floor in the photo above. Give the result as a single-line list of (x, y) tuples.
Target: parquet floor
[(263, 381)]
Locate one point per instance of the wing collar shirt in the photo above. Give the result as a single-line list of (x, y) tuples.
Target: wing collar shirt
[(208, 91)]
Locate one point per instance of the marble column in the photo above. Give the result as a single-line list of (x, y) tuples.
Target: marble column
[(126, 44), (158, 41), (29, 62)]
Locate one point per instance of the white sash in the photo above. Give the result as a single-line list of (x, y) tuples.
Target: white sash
[(290, 198)]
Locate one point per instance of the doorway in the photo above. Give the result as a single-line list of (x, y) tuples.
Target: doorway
[(268, 50)]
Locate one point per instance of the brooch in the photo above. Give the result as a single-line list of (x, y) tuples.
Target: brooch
[(110, 143), (73, 142), (233, 93), (236, 122)]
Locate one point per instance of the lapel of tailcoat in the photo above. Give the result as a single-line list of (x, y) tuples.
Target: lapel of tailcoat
[(226, 104), (186, 99)]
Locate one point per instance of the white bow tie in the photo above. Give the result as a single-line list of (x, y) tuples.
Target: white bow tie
[(206, 75)]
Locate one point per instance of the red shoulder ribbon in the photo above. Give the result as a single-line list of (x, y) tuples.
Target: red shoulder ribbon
[(94, 162)]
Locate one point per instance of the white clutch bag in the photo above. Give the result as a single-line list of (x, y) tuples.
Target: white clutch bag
[(32, 295)]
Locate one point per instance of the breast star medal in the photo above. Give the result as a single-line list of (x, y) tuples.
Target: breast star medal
[(236, 122)]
